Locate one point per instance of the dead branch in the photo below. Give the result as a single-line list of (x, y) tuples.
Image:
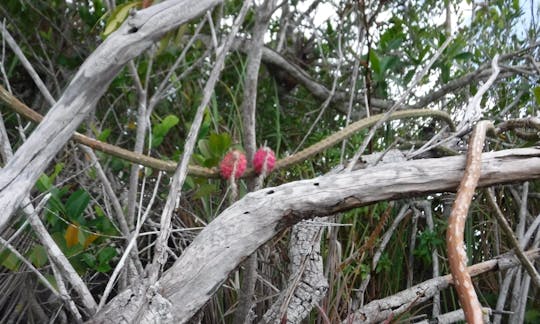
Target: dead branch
[(381, 309), (260, 215)]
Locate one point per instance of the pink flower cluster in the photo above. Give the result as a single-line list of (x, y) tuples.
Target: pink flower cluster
[(263, 161)]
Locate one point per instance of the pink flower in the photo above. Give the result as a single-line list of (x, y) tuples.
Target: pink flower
[(234, 160), (263, 156)]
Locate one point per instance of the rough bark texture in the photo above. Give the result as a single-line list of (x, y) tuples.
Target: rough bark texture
[(140, 31), (307, 284), (383, 309), (260, 215)]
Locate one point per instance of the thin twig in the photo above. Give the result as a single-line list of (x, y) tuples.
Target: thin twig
[(173, 199), (129, 247), (527, 264), (27, 65), (396, 105)]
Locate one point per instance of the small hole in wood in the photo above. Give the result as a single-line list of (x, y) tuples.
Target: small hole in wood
[(269, 192), (316, 184), (133, 30), (245, 213)]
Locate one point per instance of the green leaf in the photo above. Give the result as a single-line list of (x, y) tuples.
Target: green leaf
[(375, 62), (463, 56), (118, 16), (76, 204), (89, 259), (160, 130), (536, 92), (106, 254), (219, 143), (58, 167), (104, 135), (205, 190), (38, 256), (55, 202), (103, 268), (9, 260), (204, 148), (44, 183)]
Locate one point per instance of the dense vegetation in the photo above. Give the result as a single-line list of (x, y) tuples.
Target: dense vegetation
[(323, 65)]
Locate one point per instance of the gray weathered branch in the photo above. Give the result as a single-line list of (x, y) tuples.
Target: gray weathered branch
[(256, 218), (386, 308)]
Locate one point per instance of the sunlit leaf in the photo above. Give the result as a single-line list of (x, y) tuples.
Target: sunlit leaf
[(72, 235), (118, 16)]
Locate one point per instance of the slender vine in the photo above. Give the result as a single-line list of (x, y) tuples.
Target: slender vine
[(283, 163)]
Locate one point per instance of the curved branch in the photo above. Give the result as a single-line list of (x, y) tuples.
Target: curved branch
[(457, 257), (260, 215)]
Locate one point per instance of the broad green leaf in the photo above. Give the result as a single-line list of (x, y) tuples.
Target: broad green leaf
[(38, 256), (101, 223), (89, 259), (58, 167), (219, 143), (9, 260), (160, 130), (118, 16), (204, 148), (76, 204), (104, 135), (44, 183), (106, 254), (103, 268), (375, 63), (55, 201), (536, 91)]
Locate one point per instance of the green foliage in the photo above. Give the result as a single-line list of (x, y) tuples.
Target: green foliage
[(38, 256), (532, 316), (160, 130), (57, 36), (212, 149), (79, 237), (428, 241), (384, 265), (536, 92), (9, 260)]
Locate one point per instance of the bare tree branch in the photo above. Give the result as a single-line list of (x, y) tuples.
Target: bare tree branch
[(382, 309), (256, 218)]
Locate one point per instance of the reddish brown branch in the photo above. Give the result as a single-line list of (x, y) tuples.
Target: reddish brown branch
[(456, 225)]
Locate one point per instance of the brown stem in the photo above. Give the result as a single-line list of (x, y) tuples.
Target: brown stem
[(170, 166), (456, 224)]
